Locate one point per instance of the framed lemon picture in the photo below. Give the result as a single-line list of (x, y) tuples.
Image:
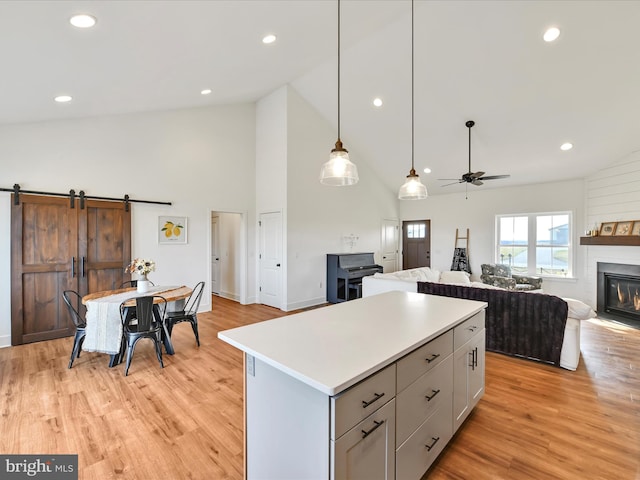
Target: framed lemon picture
[(172, 230)]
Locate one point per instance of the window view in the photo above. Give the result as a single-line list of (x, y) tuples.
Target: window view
[(536, 244)]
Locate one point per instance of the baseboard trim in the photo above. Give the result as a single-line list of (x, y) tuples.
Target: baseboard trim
[(5, 341), (306, 304)]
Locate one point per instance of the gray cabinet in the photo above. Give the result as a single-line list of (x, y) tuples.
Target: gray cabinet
[(468, 368), (366, 451), (392, 424)]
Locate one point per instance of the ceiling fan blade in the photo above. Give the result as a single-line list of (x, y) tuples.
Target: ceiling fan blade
[(495, 177), (457, 181), (477, 174), (477, 182)]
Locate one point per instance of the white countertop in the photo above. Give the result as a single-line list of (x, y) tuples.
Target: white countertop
[(332, 348)]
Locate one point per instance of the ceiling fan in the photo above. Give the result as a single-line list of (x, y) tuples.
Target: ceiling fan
[(474, 178)]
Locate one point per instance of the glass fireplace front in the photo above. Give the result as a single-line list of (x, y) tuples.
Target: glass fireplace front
[(622, 295)]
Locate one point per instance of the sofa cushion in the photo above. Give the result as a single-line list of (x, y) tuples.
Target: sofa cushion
[(455, 277), (420, 274)]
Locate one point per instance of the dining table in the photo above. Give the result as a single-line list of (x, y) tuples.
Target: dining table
[(104, 330)]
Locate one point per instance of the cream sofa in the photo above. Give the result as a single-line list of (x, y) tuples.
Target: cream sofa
[(407, 280)]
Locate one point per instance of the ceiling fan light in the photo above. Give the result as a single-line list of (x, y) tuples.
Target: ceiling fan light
[(413, 188), (339, 171)]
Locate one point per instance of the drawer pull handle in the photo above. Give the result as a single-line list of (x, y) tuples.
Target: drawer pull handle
[(366, 433), (378, 397), (433, 394), (433, 357), (472, 328), (433, 444)]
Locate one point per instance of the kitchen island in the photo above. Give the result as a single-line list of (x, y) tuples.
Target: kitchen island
[(372, 388)]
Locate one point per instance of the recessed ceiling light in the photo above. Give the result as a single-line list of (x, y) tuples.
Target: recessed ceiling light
[(206, 91), (551, 34), (427, 170), (63, 98), (83, 21), (566, 146), (267, 39), (377, 102)]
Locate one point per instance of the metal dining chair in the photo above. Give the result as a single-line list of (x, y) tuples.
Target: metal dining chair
[(72, 297), (189, 314), (145, 323)]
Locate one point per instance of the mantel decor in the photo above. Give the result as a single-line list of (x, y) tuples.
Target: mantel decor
[(607, 228)]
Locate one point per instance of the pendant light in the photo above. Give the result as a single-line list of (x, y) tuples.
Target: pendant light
[(339, 171), (412, 189)]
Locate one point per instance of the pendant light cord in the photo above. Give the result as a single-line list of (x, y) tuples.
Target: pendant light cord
[(412, 101), (338, 69)]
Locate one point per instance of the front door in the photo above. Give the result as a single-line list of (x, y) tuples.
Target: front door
[(416, 244)]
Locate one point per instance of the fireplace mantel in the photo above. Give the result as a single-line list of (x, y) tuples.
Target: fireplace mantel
[(628, 240)]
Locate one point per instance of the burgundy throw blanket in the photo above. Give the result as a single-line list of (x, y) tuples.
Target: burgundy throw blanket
[(521, 324)]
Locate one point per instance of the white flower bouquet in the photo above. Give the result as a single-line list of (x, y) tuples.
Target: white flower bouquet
[(141, 266)]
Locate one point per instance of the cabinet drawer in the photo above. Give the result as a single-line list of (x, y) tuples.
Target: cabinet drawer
[(467, 329), (367, 450), (362, 400), (424, 396), (418, 452), (423, 359)]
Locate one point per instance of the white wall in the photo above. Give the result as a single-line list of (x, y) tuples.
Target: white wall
[(612, 194), (199, 159), (319, 216), (451, 211), (271, 168), (293, 141)]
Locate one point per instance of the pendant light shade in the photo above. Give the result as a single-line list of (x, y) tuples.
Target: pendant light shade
[(339, 171), (412, 189)]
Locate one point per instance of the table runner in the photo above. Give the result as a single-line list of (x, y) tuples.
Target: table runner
[(104, 325)]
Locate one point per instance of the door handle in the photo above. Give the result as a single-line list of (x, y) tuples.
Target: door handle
[(73, 266), (277, 264), (82, 266)]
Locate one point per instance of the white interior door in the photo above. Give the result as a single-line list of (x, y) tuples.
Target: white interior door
[(215, 255), (270, 257), (390, 236)]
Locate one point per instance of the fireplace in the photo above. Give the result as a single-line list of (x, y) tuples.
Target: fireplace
[(619, 292)]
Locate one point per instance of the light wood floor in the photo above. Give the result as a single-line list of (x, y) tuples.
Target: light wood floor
[(185, 421)]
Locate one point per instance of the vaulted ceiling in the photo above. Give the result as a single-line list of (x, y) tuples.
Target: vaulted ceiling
[(479, 60)]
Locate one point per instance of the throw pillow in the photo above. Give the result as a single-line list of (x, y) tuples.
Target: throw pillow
[(578, 309)]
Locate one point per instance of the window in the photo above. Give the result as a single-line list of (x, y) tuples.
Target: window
[(416, 230), (535, 244)]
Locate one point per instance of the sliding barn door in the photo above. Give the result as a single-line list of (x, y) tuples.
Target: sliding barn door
[(54, 248), (43, 254), (104, 245)]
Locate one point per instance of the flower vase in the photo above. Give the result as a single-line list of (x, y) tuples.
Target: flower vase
[(143, 285)]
